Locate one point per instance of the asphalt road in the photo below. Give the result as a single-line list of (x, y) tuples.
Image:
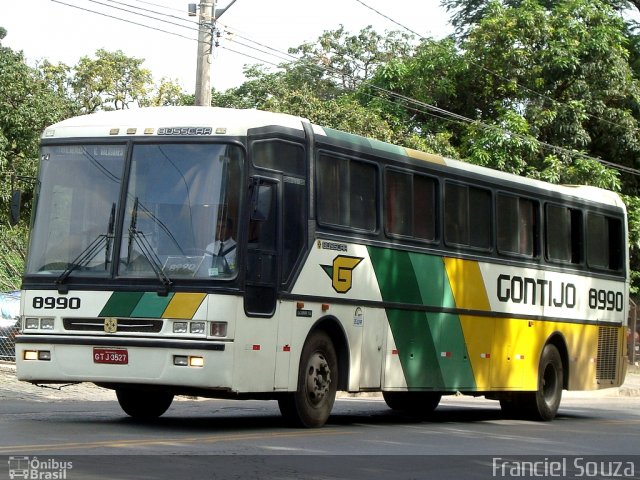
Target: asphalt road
[(83, 429)]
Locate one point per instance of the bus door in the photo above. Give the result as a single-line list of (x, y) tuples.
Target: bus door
[(262, 265)]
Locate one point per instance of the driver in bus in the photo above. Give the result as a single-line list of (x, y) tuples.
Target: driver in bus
[(223, 251)]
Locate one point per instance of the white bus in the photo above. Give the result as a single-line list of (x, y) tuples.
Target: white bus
[(245, 254)]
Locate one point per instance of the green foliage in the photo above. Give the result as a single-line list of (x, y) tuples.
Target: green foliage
[(13, 248), (538, 88), (111, 81), (27, 105)]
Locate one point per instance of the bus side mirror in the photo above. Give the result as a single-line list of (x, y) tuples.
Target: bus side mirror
[(16, 203)]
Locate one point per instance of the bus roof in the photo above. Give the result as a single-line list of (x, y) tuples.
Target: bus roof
[(198, 121)]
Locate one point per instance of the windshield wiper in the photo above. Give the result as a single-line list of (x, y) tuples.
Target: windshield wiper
[(82, 259), (145, 248), (89, 253)]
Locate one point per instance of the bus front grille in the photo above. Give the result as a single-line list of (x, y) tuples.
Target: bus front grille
[(607, 358), (124, 325)]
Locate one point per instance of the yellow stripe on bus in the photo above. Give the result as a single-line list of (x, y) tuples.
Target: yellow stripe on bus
[(467, 284), (427, 157), (184, 305)]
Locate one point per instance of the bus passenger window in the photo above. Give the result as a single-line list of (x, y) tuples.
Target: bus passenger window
[(604, 242), (563, 234), (516, 225), (398, 203), (410, 205), (346, 192), (467, 216)]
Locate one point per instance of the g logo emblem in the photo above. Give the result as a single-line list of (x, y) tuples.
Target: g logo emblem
[(341, 272)]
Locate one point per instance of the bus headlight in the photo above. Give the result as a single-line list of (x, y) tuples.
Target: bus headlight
[(31, 323), (197, 327), (180, 327), (46, 323)]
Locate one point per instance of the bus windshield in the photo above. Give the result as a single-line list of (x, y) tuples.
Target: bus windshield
[(176, 198)]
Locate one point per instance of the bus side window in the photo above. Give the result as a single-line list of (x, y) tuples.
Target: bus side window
[(563, 234), (516, 225), (604, 242), (467, 216)]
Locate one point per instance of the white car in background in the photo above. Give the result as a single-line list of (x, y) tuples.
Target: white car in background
[(9, 323)]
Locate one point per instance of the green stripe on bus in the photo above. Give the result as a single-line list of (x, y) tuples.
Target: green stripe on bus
[(121, 304), (151, 305), (431, 346)]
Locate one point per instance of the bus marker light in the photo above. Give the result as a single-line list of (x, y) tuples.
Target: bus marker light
[(44, 355), (114, 131), (485, 355), (131, 131), (299, 305), (394, 351), (180, 361), (445, 354), (255, 348), (149, 131), (196, 362), (218, 329), (286, 348), (325, 307), (30, 355)]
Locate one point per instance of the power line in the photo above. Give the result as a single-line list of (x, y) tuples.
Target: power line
[(182, 19), (123, 20), (138, 13), (423, 107), (495, 74)]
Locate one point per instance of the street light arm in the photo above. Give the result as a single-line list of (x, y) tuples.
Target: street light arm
[(219, 11)]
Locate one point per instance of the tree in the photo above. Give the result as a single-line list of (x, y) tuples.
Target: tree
[(167, 92), (112, 81), (347, 60), (467, 13), (27, 106)]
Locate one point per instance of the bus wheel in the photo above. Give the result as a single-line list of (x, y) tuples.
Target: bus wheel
[(413, 403), (143, 404), (310, 406), (544, 403)]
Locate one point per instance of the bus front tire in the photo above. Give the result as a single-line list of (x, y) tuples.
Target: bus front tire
[(310, 406), (143, 404)]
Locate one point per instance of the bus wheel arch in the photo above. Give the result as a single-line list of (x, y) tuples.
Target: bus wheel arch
[(332, 327), (552, 377), (543, 403), (558, 340), (321, 373)]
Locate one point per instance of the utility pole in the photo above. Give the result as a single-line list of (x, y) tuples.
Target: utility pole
[(205, 47), (207, 18)]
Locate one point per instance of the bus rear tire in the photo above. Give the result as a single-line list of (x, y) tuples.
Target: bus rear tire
[(413, 403), (143, 404), (310, 406), (543, 404)]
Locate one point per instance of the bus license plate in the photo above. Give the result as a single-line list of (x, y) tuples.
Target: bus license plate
[(116, 356)]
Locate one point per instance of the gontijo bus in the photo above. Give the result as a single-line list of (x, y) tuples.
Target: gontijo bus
[(355, 265)]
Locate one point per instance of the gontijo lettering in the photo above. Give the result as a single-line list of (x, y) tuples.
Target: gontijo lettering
[(536, 291)]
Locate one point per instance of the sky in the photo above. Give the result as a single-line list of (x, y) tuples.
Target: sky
[(65, 30)]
